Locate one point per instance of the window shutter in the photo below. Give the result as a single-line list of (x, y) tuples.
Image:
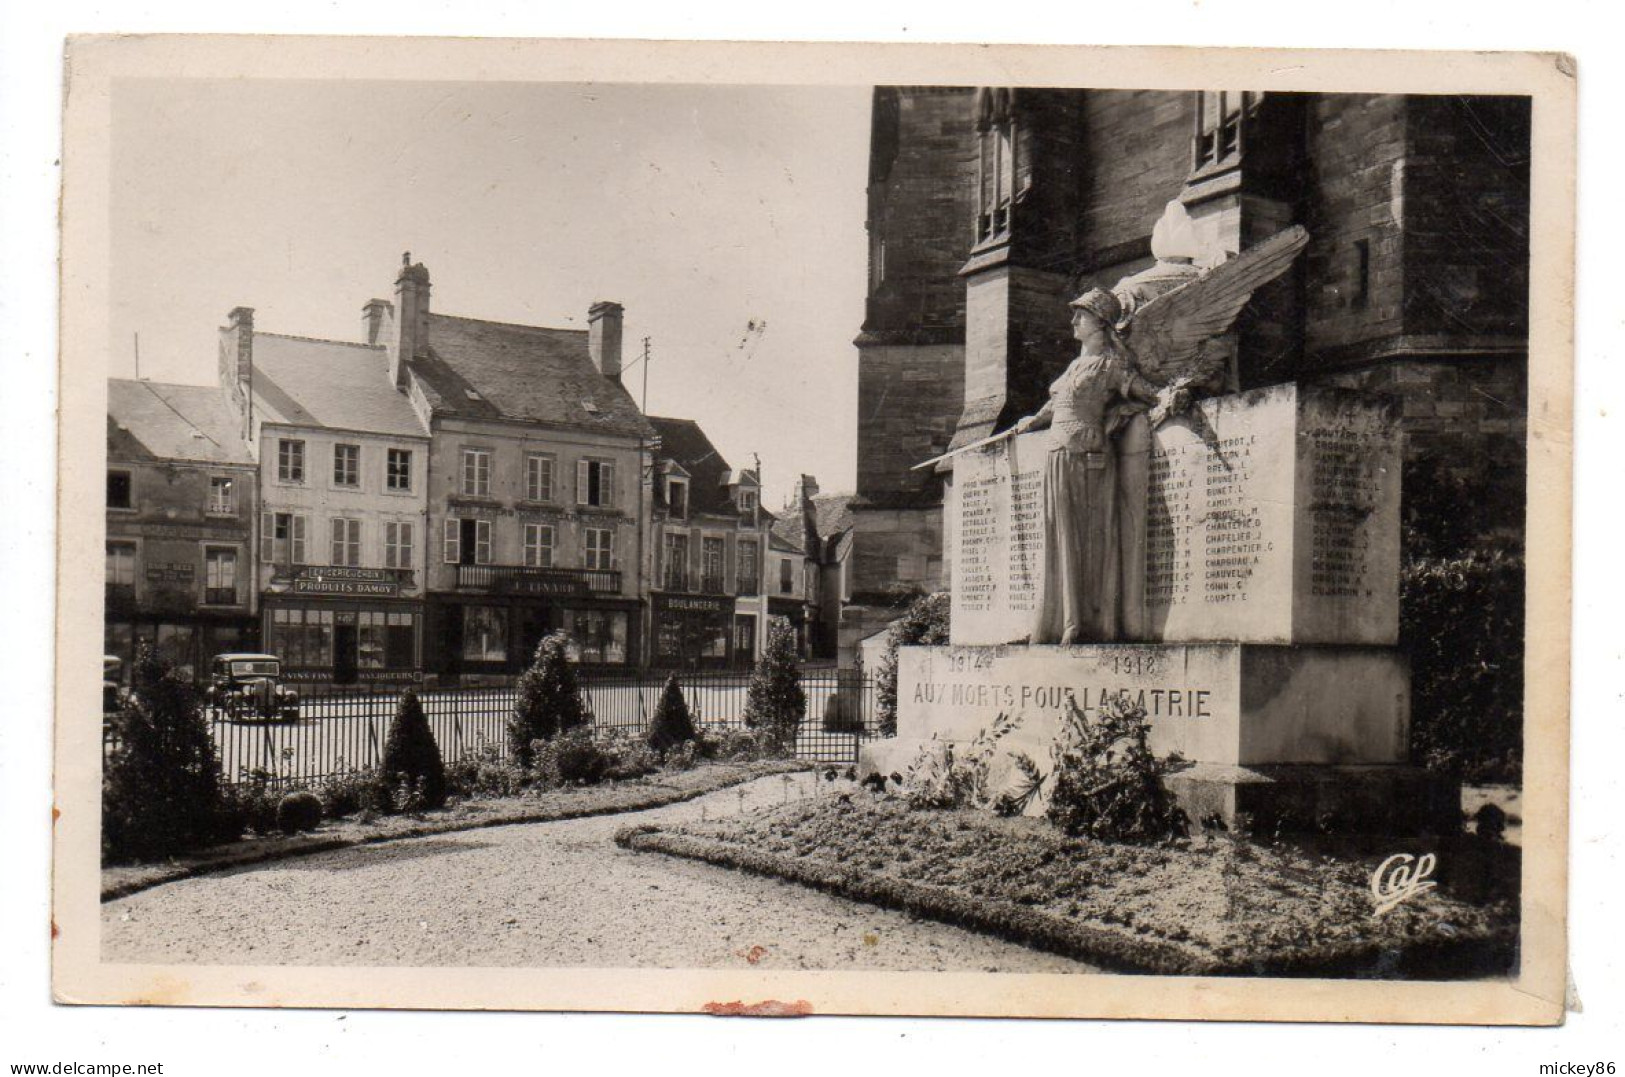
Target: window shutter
[(606, 484), (482, 542), (296, 539), (267, 537), (583, 488), (449, 551)]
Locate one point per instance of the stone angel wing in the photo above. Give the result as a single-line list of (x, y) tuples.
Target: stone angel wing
[(1167, 334)]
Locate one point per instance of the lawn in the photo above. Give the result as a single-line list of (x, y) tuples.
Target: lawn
[(1210, 904)]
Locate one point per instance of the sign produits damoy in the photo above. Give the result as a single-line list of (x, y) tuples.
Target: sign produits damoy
[(333, 580)]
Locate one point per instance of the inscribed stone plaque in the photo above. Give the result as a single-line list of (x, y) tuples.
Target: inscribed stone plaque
[(1211, 703), (1271, 516)]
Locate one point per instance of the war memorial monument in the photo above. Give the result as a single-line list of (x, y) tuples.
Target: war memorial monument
[(1229, 561)]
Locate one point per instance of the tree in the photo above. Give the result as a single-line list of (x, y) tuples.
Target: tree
[(161, 789), (413, 776), (673, 725), (924, 622), (775, 699), (550, 700)]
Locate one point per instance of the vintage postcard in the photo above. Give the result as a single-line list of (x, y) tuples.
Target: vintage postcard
[(815, 529)]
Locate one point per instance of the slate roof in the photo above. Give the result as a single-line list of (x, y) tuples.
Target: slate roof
[(493, 370), (153, 420), (787, 533), (329, 383), (682, 441), (834, 514)]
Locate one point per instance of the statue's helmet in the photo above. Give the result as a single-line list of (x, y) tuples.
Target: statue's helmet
[(1102, 304)]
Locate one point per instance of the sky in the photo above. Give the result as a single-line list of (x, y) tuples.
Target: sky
[(729, 221)]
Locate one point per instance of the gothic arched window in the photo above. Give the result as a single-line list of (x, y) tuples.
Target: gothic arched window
[(995, 162)]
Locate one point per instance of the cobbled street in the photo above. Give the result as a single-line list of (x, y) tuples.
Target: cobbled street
[(539, 894)]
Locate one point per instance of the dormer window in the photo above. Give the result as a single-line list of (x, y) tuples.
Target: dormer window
[(677, 497), (747, 501)]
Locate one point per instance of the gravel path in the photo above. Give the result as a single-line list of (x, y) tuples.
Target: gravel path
[(538, 894)]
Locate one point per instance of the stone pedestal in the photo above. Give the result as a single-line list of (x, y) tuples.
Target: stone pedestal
[(1269, 563)]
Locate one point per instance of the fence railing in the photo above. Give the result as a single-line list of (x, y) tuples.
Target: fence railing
[(344, 729)]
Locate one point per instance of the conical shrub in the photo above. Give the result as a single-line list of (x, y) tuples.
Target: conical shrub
[(413, 776), (550, 700), (775, 699), (161, 790), (673, 725)]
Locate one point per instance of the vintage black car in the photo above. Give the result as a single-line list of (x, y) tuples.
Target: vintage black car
[(249, 686), (113, 693)]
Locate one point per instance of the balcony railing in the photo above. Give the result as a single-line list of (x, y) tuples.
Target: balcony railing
[(519, 580), (749, 585), (713, 585)]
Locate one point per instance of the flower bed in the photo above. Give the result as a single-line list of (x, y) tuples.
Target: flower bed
[(1210, 905), (362, 828)]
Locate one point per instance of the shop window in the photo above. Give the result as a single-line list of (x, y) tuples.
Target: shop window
[(346, 465), (282, 538), (600, 551), (477, 472), (371, 642), (397, 544), (485, 634), (676, 560), (290, 460), (219, 576), (750, 567), (398, 470), (598, 635), (595, 483), (539, 477), (302, 638), (539, 545), (346, 542), (119, 490), (712, 551), (222, 495), (176, 644)]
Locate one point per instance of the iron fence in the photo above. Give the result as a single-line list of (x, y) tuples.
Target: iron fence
[(343, 729)]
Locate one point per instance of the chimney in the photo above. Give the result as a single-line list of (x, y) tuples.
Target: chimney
[(237, 349), (809, 518), (411, 318), (604, 338), (376, 316)]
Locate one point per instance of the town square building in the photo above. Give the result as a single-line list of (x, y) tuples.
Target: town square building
[(180, 503), (535, 500), (341, 523), (709, 602)]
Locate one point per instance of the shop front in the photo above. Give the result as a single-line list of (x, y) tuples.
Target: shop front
[(186, 641), (693, 631), (496, 633), (345, 626)]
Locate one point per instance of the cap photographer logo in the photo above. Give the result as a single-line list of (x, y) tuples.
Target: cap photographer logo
[(1400, 878)]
